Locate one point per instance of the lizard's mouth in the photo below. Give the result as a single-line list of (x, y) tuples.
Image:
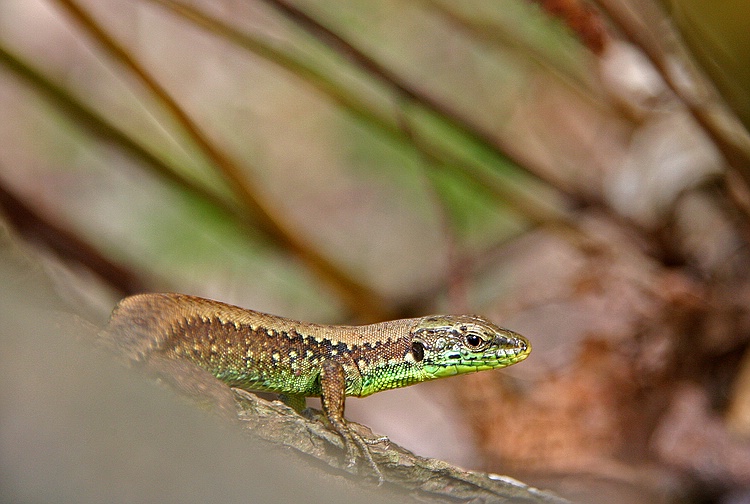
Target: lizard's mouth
[(455, 362)]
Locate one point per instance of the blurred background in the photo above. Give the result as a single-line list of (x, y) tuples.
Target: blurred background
[(575, 171)]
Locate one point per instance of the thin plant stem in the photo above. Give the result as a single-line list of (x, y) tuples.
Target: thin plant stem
[(357, 297)]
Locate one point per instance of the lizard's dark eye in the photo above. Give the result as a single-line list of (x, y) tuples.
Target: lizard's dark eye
[(417, 350), (473, 340)]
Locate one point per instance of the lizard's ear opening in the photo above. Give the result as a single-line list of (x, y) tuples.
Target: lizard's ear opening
[(417, 351)]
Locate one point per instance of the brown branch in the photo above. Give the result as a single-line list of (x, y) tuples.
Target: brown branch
[(359, 298), (426, 479)]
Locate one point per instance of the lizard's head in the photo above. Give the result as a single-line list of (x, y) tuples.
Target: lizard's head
[(448, 345)]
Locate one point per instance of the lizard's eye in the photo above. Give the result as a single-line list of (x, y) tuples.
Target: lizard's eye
[(473, 340), (417, 350)]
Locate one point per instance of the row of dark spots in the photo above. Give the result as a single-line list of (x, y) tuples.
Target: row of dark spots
[(369, 352), (290, 344), (362, 354), (322, 347)]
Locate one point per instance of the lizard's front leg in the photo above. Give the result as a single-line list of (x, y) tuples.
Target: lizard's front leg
[(333, 394)]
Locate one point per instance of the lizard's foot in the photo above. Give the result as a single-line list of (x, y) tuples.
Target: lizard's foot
[(354, 442)]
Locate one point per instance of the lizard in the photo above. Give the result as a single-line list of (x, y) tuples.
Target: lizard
[(255, 351)]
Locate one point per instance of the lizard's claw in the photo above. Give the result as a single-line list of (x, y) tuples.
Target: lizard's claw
[(354, 442)]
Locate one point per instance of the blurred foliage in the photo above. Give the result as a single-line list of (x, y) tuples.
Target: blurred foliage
[(718, 35), (419, 136), (563, 166)]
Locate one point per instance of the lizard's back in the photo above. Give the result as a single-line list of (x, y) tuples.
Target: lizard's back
[(249, 349)]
